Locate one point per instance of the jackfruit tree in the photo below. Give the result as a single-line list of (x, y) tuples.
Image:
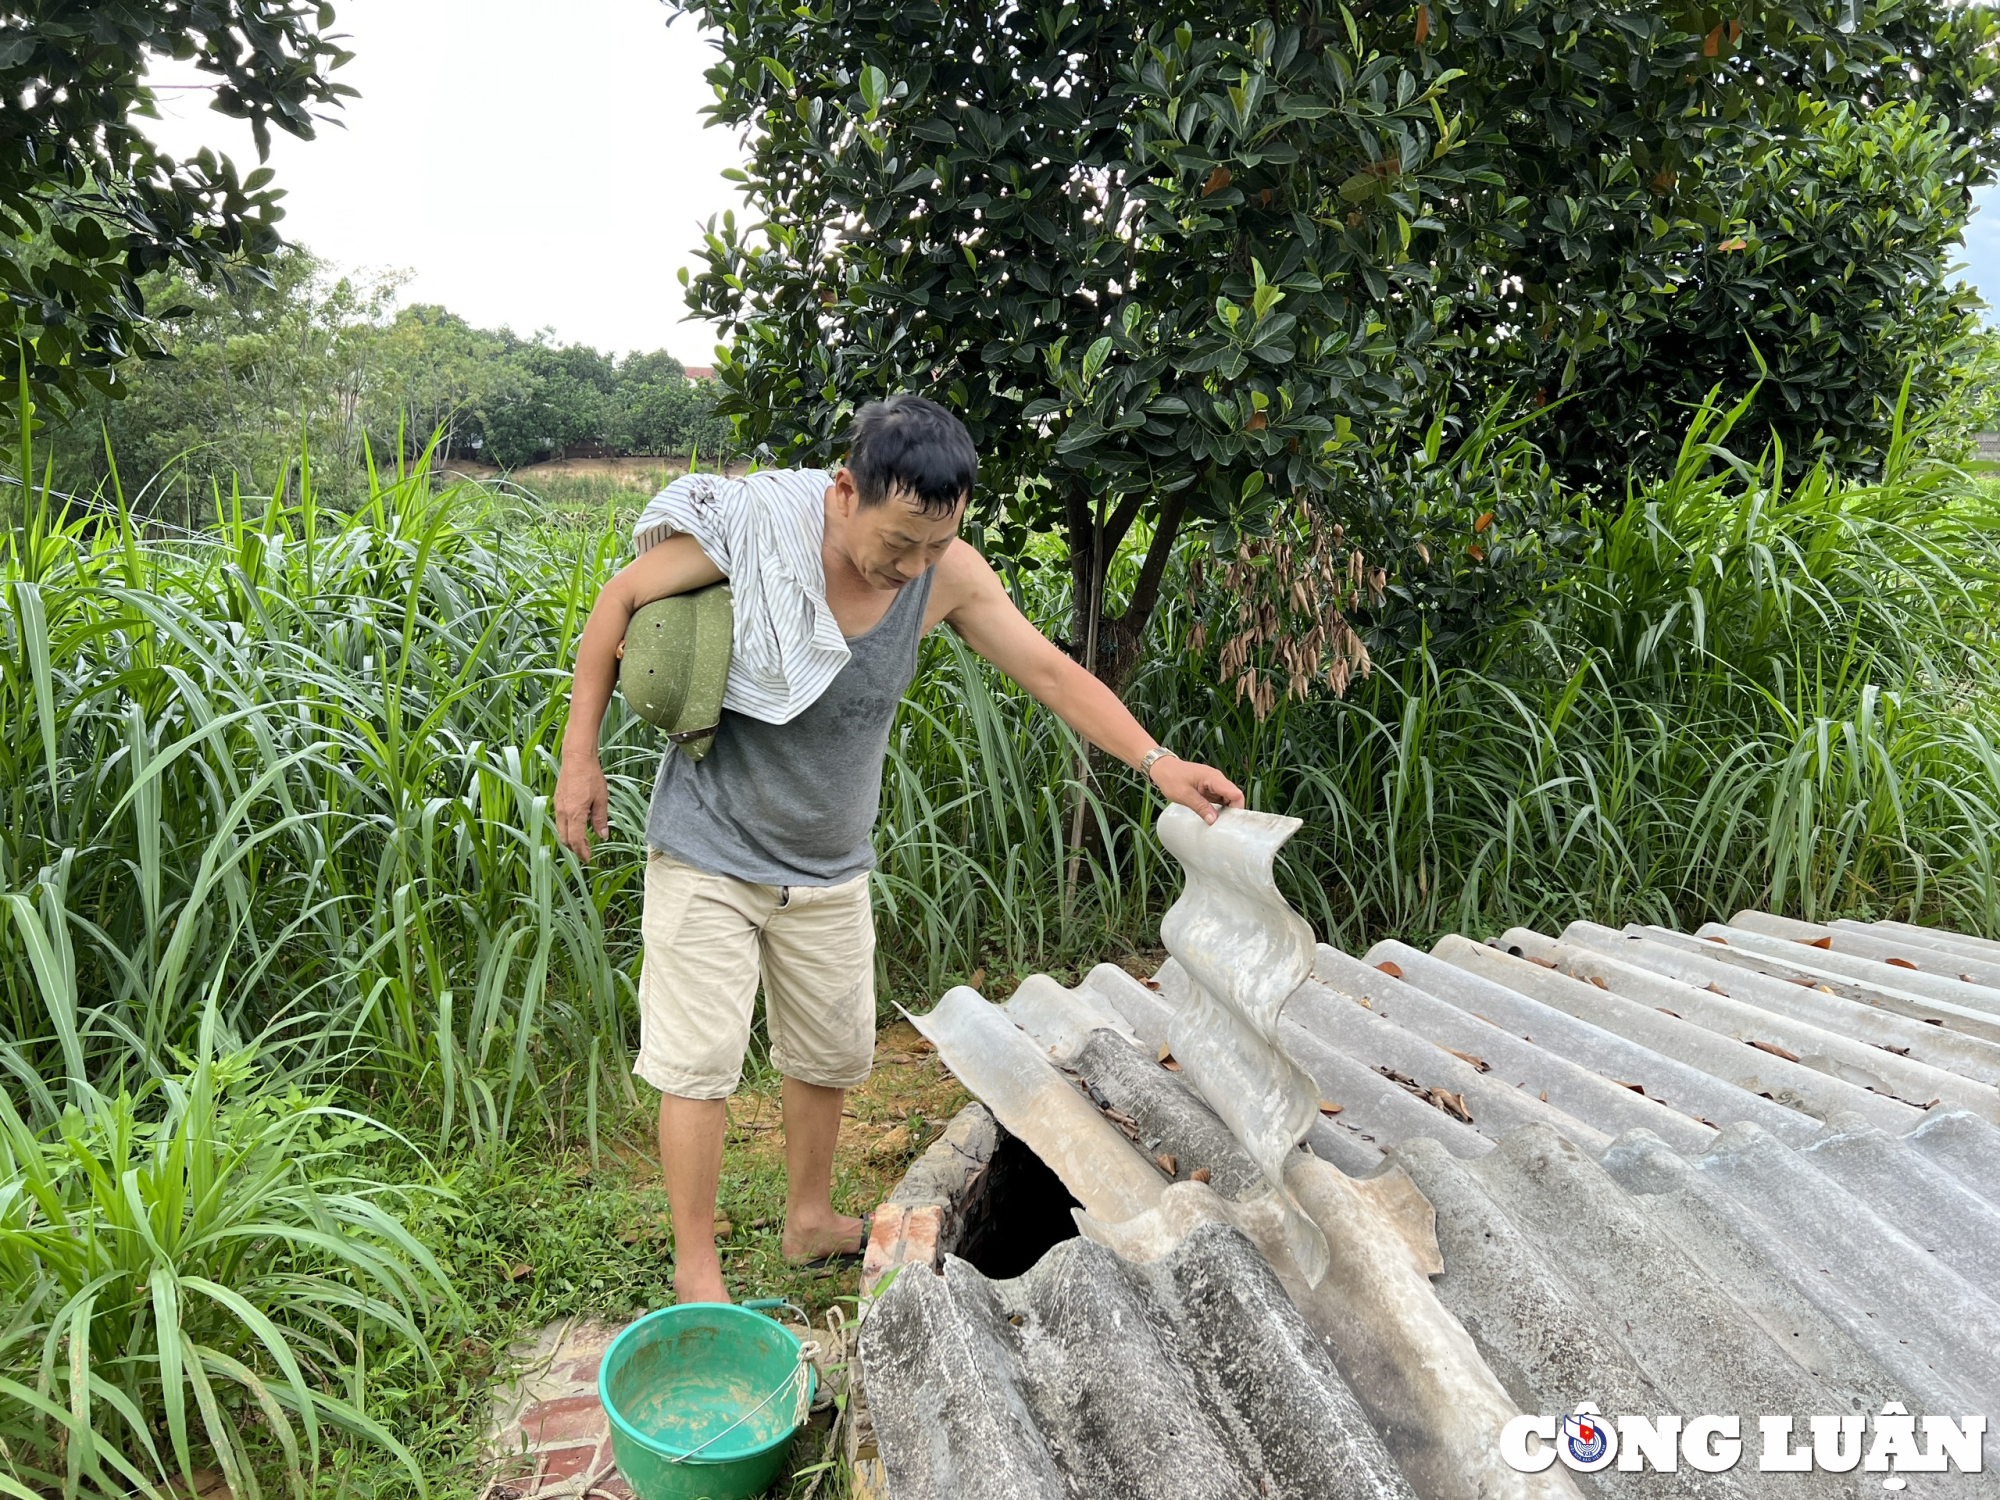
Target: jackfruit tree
[(1221, 263)]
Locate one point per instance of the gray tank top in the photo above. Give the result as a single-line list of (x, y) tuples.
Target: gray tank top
[(795, 804)]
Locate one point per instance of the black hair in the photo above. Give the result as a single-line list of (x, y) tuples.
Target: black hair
[(914, 446)]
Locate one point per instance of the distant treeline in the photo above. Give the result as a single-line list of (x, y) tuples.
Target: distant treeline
[(332, 361)]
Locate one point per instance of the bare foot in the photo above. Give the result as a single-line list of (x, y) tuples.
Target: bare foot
[(698, 1278), (809, 1239), (690, 1286)]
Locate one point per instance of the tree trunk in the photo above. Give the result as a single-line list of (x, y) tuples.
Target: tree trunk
[(1110, 646), (1119, 640), (1093, 597)]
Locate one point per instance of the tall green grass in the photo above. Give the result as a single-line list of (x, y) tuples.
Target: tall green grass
[(1742, 693), (178, 1276), (1739, 693), (297, 772)]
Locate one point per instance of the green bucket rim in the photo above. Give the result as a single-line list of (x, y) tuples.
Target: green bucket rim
[(666, 1450)]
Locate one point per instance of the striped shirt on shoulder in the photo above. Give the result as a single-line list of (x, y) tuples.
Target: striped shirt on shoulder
[(764, 532)]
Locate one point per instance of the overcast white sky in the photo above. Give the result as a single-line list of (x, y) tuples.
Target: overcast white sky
[(541, 165), (533, 164)]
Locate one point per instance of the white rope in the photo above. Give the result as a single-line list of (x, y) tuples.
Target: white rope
[(799, 1373)]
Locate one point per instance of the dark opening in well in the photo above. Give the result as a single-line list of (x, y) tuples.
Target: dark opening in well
[(1024, 1212)]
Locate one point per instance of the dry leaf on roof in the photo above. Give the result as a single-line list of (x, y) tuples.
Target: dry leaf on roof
[(1122, 1120), (1775, 1050), (1440, 1099), (1328, 1107), (1478, 1063), (1393, 970), (1167, 1162)]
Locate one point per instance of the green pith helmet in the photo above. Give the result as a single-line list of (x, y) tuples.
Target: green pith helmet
[(676, 664)]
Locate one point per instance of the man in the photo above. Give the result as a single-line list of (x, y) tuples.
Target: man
[(759, 852)]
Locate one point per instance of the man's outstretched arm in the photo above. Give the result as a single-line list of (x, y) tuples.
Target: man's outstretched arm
[(978, 608), (675, 566)]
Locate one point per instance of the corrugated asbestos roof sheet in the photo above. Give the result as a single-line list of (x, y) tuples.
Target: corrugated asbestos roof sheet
[(1754, 1169), (1192, 1375)]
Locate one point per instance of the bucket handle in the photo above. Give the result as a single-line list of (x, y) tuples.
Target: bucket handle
[(807, 1349)]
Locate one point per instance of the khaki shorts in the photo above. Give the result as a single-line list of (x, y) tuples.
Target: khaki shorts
[(708, 939)]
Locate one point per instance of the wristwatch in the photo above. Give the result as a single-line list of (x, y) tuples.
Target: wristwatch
[(1157, 753)]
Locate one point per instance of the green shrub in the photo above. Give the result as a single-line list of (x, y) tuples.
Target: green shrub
[(178, 1270)]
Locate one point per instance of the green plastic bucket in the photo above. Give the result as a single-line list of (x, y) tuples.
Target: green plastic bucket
[(703, 1400)]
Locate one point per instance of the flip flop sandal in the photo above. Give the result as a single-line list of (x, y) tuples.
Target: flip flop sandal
[(834, 1259)]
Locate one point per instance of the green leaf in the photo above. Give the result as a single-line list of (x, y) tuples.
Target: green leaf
[(1095, 356), (171, 1342), (54, 968), (1080, 434), (874, 84)]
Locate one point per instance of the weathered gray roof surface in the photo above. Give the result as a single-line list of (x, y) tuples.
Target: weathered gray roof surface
[(1190, 1376), (1751, 1170)]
